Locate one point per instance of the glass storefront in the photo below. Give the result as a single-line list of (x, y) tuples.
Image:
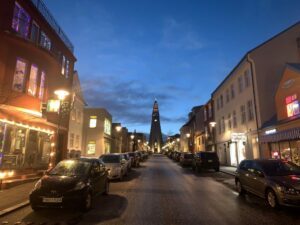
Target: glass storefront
[(286, 150), (23, 148)]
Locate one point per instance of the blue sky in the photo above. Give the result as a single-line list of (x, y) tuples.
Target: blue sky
[(131, 52)]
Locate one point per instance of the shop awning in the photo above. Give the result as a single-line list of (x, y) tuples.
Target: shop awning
[(281, 136)]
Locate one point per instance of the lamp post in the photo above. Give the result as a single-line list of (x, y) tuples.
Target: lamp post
[(61, 95), (212, 124)]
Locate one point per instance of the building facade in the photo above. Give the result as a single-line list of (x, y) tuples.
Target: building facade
[(97, 131), (36, 59), (209, 126), (244, 102), (76, 119)]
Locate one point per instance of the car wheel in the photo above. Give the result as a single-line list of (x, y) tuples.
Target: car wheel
[(239, 188), (87, 202), (106, 190), (271, 199)]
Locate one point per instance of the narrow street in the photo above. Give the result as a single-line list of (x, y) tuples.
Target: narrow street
[(161, 192)]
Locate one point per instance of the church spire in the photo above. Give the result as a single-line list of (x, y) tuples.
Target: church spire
[(155, 141)]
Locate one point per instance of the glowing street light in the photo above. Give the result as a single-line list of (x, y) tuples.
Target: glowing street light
[(118, 128), (212, 124), (61, 94), (188, 135)]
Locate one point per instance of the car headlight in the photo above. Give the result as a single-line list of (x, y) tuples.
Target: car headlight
[(80, 185), (287, 190), (38, 185)]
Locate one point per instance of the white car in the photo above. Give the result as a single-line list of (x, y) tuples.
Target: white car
[(129, 161), (117, 165)]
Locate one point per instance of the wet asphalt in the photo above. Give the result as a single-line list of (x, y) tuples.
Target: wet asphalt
[(162, 192)]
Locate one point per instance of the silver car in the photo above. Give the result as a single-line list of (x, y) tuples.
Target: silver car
[(277, 181), (117, 165)]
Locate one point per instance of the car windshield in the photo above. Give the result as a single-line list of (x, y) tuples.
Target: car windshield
[(71, 168), (206, 155), (280, 168), (110, 158)]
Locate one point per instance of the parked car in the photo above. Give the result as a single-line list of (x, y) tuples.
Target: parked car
[(129, 161), (117, 165), (70, 183), (176, 156), (206, 160), (140, 154), (134, 158), (186, 159), (277, 181), (145, 154)]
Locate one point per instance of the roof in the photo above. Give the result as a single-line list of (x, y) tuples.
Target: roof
[(250, 51)]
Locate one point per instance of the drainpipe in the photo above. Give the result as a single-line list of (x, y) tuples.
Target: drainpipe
[(254, 96)]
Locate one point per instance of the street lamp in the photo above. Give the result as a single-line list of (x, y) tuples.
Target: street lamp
[(61, 95), (212, 124), (188, 135), (118, 128), (132, 138)]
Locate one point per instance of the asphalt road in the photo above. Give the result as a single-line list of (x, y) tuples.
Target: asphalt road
[(161, 192)]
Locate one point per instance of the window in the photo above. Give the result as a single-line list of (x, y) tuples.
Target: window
[(107, 126), (229, 121), (73, 114), (250, 110), (227, 95), (218, 103), (32, 87), (42, 85), (107, 147), (234, 120), (34, 36), (19, 76), (67, 68), (21, 21), (243, 114), (247, 78), (232, 91), (78, 116), (204, 114), (223, 124), (45, 42), (63, 64), (91, 148), (219, 126), (209, 110), (240, 81), (221, 101), (77, 141), (71, 140), (93, 121)]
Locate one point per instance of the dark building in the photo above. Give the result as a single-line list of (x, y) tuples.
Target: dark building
[(36, 59), (155, 141), (209, 126)]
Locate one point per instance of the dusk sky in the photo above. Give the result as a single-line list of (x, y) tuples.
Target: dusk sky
[(131, 52)]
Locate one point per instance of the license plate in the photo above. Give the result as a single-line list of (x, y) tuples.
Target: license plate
[(210, 161), (52, 200)]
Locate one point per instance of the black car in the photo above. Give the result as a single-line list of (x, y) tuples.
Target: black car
[(186, 159), (72, 182), (206, 160)]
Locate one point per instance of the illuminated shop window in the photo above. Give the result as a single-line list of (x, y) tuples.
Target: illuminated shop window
[(107, 126), (292, 105), (19, 77), (45, 41), (42, 85), (107, 147), (93, 121), (32, 87), (91, 148), (21, 21)]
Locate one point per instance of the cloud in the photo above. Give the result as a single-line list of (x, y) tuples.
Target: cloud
[(177, 35), (129, 102)]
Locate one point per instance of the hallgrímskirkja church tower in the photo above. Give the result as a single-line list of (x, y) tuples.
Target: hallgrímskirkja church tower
[(155, 141)]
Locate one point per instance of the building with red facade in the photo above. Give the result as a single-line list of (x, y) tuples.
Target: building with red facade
[(36, 59)]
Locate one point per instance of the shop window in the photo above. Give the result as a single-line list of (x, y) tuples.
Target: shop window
[(34, 36), (45, 41), (71, 140), (285, 151), (21, 21), (42, 85), (275, 151), (32, 87), (93, 121), (107, 147), (107, 126), (91, 148), (295, 150), (19, 76)]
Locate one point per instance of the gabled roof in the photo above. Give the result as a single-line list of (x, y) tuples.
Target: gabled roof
[(251, 51)]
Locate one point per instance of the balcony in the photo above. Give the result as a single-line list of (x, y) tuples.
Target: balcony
[(41, 7)]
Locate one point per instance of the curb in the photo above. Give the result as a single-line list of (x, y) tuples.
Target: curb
[(229, 173), (13, 208)]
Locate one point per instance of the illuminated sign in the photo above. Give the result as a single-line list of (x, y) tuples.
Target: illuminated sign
[(292, 105), (53, 105), (235, 137), (271, 131)]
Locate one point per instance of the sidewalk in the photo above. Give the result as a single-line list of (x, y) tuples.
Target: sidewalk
[(14, 198), (228, 170)]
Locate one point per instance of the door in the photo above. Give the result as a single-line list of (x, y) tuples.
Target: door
[(257, 182)]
